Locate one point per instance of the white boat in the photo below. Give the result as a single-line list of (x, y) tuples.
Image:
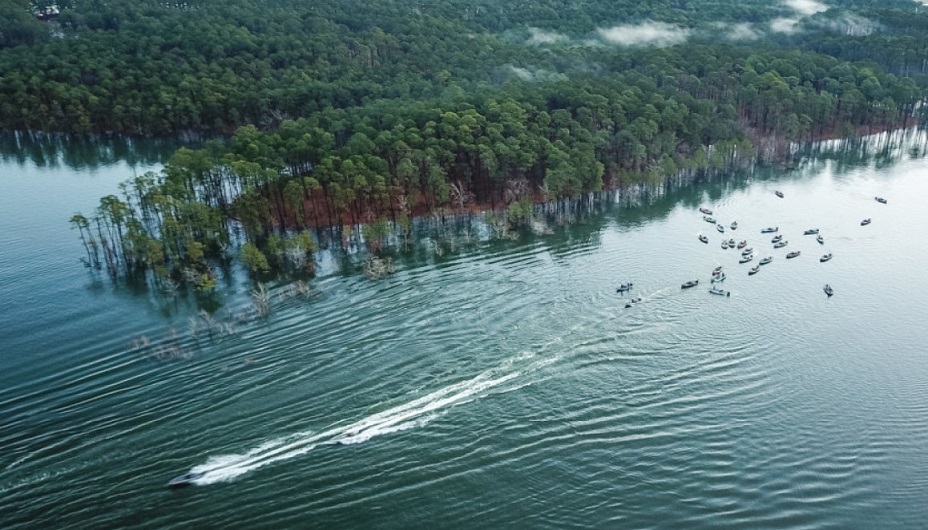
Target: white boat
[(766, 260), (720, 292), (720, 227), (810, 232), (780, 244), (769, 230), (754, 270), (825, 258)]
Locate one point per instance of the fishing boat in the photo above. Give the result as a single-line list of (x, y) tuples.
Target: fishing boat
[(720, 292), (779, 194), (746, 258), (880, 200), (780, 244), (724, 244), (754, 270), (777, 238), (624, 287), (734, 225), (828, 290), (769, 229), (810, 232), (716, 271), (825, 258), (792, 254), (731, 243), (743, 244), (865, 222), (706, 211), (820, 239), (691, 283), (718, 278), (720, 227), (632, 302), (703, 238), (184, 480), (749, 250), (708, 219), (766, 260)]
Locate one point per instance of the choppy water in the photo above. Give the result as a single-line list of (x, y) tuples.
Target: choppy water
[(501, 385)]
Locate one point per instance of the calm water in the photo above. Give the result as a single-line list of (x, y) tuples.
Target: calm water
[(499, 385)]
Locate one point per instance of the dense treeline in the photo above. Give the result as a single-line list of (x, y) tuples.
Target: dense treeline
[(343, 111)]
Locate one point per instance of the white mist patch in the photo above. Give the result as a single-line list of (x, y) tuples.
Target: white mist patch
[(409, 415), (806, 7), (739, 31), (784, 25), (645, 34), (540, 36)]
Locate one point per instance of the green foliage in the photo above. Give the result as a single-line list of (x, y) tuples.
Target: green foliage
[(254, 259)]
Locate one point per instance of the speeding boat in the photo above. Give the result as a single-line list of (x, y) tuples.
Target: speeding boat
[(706, 211), (810, 232), (734, 225), (865, 222), (743, 244), (184, 480), (720, 227), (746, 258), (624, 287), (718, 278), (779, 194), (703, 238), (828, 290), (880, 200), (777, 238), (780, 244), (825, 258), (691, 283), (754, 270), (769, 229), (792, 254), (820, 239), (720, 292), (708, 219), (766, 260)]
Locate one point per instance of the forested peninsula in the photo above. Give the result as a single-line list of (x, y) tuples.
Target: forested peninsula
[(340, 112)]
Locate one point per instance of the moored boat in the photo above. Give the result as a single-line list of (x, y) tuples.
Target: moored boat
[(780, 244), (632, 302), (706, 211), (766, 260), (746, 258), (792, 254), (718, 278), (703, 238), (777, 238), (865, 222), (810, 232), (721, 292), (731, 243), (825, 258), (716, 271), (749, 250), (720, 227), (734, 225), (820, 239), (624, 287), (828, 290), (691, 283), (754, 270), (779, 193), (708, 219), (880, 200), (743, 244), (724, 244), (769, 229)]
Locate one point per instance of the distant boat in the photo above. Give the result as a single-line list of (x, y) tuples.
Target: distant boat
[(721, 292), (828, 290), (717, 270), (776, 238), (810, 232), (747, 251), (769, 229), (703, 238), (780, 244), (706, 211), (825, 258), (766, 260), (880, 199), (691, 283), (746, 258), (731, 243), (754, 270), (865, 222), (708, 219), (720, 227), (779, 194), (820, 239), (624, 287), (718, 278), (734, 225), (632, 302), (724, 244), (743, 244), (792, 254), (184, 480)]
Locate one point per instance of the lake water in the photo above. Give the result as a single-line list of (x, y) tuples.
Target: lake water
[(501, 384)]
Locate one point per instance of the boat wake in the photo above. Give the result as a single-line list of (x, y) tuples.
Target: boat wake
[(415, 413)]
